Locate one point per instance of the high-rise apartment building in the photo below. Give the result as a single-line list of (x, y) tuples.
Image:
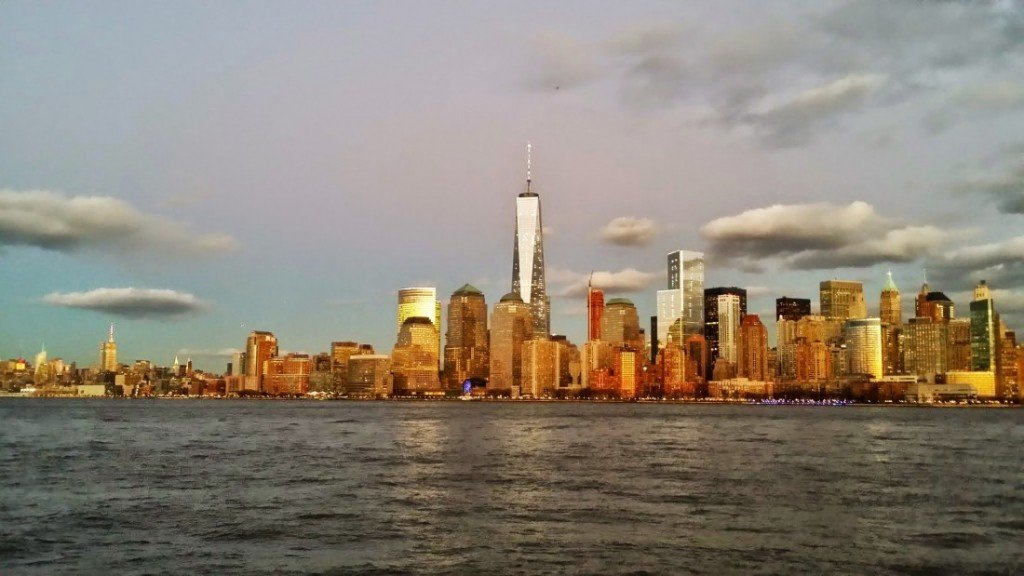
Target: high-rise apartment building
[(681, 305), (753, 348), (466, 345), (713, 323), (511, 326), (108, 353), (863, 337), (842, 299), (528, 257), (792, 308), (620, 324), (260, 347)]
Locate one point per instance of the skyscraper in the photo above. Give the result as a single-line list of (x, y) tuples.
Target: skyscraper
[(620, 324), (753, 352), (794, 309), (842, 299), (511, 326), (420, 301), (711, 322), (595, 308), (925, 348), (984, 323), (730, 315), (465, 349), (528, 257), (260, 347), (890, 304), (108, 352), (863, 338), (683, 300), (414, 358)]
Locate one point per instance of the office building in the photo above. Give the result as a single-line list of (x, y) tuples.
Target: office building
[(792, 308), (712, 323), (259, 347), (925, 344), (414, 358), (287, 375), (681, 305), (369, 376), (466, 343), (984, 324), (842, 299), (108, 353), (620, 324), (753, 348), (595, 309), (420, 301), (863, 337), (890, 303), (511, 326), (528, 257)]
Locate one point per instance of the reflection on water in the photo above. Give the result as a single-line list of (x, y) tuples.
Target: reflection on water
[(235, 487)]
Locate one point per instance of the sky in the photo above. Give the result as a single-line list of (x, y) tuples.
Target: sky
[(192, 171)]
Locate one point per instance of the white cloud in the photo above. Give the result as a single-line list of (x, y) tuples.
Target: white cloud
[(626, 280), (629, 231), (819, 236), (129, 302), (54, 221)]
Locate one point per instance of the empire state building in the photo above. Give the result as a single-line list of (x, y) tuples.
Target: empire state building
[(528, 257)]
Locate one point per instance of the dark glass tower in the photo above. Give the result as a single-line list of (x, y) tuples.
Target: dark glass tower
[(711, 320)]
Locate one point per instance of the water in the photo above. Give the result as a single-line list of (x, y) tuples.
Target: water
[(294, 487)]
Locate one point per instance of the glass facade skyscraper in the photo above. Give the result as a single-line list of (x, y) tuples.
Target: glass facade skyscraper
[(683, 300), (528, 259)]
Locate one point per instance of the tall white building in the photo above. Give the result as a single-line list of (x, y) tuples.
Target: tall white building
[(683, 301), (729, 327), (528, 257)]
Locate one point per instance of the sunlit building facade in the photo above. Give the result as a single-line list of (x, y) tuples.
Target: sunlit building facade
[(984, 339), (259, 347), (414, 358), (925, 346), (287, 375), (511, 326), (528, 259), (863, 337), (466, 342), (620, 324), (369, 376), (595, 309), (842, 299), (890, 303), (108, 353), (753, 349), (420, 301), (541, 370)]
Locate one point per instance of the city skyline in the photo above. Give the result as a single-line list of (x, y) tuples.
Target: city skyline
[(141, 158)]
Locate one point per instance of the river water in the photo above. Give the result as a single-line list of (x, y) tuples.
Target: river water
[(302, 487)]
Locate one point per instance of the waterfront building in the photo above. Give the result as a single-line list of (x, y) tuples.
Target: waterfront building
[(466, 342), (681, 305), (924, 346), (259, 347), (842, 299), (713, 322), (528, 257), (863, 337), (983, 381), (792, 308), (108, 353), (753, 349), (1008, 375), (595, 309), (369, 376), (414, 358), (620, 324), (288, 375), (511, 326), (341, 353), (890, 303)]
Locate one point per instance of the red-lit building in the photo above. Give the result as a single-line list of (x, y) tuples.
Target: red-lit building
[(288, 375), (595, 308)]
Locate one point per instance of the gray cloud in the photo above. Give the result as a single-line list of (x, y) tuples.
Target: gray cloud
[(1006, 190), (852, 55), (562, 62), (129, 302), (626, 280), (629, 231), (818, 236), (53, 221)]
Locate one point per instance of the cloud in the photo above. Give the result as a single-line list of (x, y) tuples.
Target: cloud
[(54, 221), (562, 62), (626, 280), (791, 121), (1000, 263), (818, 236), (129, 302), (1006, 190), (994, 96), (629, 231)]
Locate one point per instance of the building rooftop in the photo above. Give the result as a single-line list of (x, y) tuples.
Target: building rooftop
[(620, 302), (512, 297), (468, 290)]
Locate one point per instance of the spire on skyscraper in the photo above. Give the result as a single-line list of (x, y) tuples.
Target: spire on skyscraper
[(890, 286), (528, 255), (110, 338)]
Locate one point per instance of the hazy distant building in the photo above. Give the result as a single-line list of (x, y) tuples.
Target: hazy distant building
[(260, 347), (753, 349), (511, 326), (863, 337), (528, 258), (414, 358), (681, 305), (108, 353), (792, 308), (466, 344), (712, 322), (842, 299), (369, 376), (620, 324)]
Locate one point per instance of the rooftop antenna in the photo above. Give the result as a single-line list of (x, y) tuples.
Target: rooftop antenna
[(111, 337), (925, 270), (529, 149)]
